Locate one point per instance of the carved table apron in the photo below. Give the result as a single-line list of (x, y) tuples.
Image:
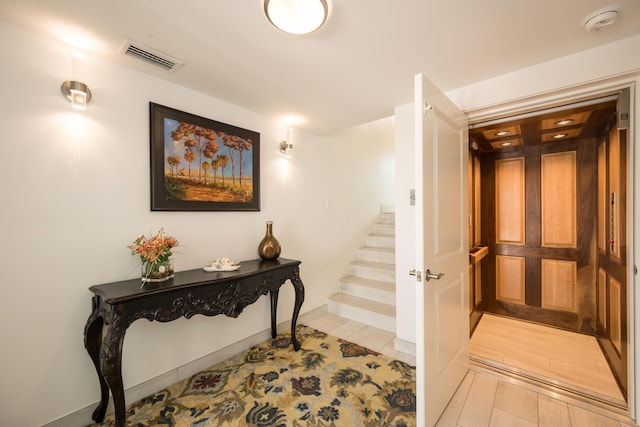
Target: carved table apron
[(192, 292)]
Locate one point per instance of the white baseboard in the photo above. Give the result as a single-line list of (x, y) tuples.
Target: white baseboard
[(82, 417), (405, 346)]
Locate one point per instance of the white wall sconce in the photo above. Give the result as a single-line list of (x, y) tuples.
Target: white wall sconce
[(286, 148), (296, 16), (76, 92)]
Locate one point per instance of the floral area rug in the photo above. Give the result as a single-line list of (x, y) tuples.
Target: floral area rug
[(328, 382)]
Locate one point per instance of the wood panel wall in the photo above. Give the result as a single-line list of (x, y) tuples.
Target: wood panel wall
[(602, 295), (510, 273), (612, 320), (559, 281), (552, 184), (558, 192), (510, 201), (602, 197), (615, 308)]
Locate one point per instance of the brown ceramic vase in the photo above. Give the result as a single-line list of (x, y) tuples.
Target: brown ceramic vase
[(269, 247)]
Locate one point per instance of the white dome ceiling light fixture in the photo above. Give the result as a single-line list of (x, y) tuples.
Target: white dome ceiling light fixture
[(296, 16), (601, 18)]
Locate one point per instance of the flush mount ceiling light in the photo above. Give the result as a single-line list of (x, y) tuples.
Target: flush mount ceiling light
[(601, 18), (503, 133), (296, 16), (560, 135)]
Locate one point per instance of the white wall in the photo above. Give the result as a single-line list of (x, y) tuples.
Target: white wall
[(362, 166), (75, 193), (557, 77)]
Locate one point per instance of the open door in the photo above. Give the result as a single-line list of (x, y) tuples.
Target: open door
[(442, 250)]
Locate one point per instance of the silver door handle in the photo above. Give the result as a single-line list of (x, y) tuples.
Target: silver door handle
[(429, 275)]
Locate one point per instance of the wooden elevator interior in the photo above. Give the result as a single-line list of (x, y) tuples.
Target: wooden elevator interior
[(548, 212)]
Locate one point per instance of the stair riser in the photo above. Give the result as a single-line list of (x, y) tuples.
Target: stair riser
[(381, 242), (386, 219), (376, 256), (377, 320), (372, 273), (379, 295), (388, 229)]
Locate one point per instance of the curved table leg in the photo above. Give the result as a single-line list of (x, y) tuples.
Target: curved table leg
[(111, 364), (93, 342), (299, 288), (274, 308)]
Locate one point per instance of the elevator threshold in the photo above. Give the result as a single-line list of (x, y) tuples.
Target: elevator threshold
[(554, 389)]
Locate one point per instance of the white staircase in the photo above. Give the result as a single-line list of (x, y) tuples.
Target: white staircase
[(368, 292)]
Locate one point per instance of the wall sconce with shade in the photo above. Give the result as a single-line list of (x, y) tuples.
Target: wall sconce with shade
[(76, 92), (296, 16)]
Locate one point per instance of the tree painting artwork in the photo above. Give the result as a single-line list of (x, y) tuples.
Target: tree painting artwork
[(199, 164)]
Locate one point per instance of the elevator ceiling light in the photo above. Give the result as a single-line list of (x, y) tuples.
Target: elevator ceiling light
[(503, 133), (564, 122), (296, 16), (560, 135)]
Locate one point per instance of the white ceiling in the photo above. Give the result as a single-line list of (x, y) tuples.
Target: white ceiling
[(353, 70)]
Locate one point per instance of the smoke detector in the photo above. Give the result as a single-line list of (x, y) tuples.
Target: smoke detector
[(601, 18)]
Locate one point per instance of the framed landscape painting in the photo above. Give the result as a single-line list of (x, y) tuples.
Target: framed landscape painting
[(199, 164)]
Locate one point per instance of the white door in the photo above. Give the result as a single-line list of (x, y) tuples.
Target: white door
[(442, 233)]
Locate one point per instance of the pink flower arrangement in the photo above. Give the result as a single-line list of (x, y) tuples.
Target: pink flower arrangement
[(154, 250)]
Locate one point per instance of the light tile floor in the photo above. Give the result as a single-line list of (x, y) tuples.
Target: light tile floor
[(485, 401), (482, 400), (359, 333), (573, 359)]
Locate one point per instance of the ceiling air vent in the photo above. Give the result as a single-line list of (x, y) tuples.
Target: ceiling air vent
[(149, 55)]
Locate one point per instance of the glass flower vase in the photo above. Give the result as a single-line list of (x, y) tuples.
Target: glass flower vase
[(158, 271)]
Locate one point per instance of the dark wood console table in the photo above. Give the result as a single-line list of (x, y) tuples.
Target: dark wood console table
[(117, 305)]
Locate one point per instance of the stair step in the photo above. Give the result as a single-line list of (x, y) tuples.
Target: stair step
[(373, 270), (368, 291), (386, 218), (388, 209), (384, 229), (376, 284), (380, 241), (374, 313), (374, 290), (373, 254)]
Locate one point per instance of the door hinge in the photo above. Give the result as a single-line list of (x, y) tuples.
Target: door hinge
[(412, 197)]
